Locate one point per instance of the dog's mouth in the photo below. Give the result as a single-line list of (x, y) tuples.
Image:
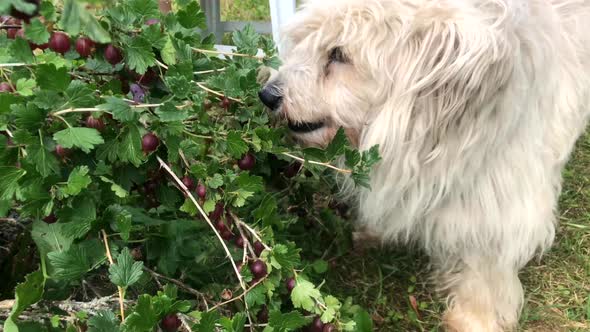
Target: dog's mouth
[(305, 127)]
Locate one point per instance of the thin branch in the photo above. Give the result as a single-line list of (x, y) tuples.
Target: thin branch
[(206, 217), (9, 65), (120, 289), (340, 170), (161, 65), (178, 283), (233, 299), (250, 229), (96, 109), (202, 72), (218, 94), (199, 50)]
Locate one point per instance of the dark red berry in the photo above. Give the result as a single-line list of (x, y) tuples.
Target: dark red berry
[(22, 15), (5, 87), (152, 21), (50, 219), (316, 325), (240, 242), (37, 46), (225, 103), (216, 214), (292, 170), (258, 269), (96, 123), (247, 162), (170, 323), (258, 248), (188, 183), (59, 42), (148, 77), (149, 142), (227, 235), (262, 316), (20, 33), (291, 283), (221, 226), (11, 33), (201, 190), (61, 151), (112, 54), (329, 328), (85, 46), (137, 254)]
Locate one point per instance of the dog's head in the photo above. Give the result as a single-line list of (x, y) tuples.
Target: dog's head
[(388, 71)]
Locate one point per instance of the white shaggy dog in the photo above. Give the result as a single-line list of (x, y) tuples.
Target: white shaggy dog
[(476, 106)]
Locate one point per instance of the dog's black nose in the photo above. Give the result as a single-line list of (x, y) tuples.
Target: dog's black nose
[(270, 98)]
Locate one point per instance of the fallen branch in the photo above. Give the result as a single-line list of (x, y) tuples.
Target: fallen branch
[(42, 310)]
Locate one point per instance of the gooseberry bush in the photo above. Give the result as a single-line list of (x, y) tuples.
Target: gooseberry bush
[(156, 189)]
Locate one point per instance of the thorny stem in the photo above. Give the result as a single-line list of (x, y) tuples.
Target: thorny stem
[(252, 231), (218, 94), (340, 170), (178, 283), (108, 251), (237, 297)]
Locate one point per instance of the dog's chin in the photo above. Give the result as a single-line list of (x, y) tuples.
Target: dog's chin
[(312, 134)]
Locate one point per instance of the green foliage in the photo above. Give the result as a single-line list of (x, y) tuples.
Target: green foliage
[(101, 177)]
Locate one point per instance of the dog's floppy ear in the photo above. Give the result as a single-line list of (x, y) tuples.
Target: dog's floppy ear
[(443, 73)]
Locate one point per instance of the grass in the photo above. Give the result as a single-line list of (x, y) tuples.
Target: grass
[(557, 288)]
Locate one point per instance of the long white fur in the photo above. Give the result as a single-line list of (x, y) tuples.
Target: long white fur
[(476, 106)]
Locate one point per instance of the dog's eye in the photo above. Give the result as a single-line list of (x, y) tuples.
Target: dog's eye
[(337, 55)]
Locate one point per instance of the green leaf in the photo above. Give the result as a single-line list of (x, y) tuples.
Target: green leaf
[(215, 182), (139, 55), (45, 161), (94, 30), (256, 296), (117, 189), (320, 266), (207, 322), (285, 256), (363, 320), (337, 145), (286, 321), (70, 17), (179, 86), (238, 322), (79, 218), (26, 294), (9, 177), (79, 94), (104, 321), (235, 144), (25, 86), (21, 51), (130, 147), (84, 138), (50, 237), (124, 222), (169, 113), (144, 9), (125, 272), (77, 260), (51, 78), (189, 207), (144, 317), (36, 32), (246, 40), (192, 17), (305, 295), (332, 307), (168, 52), (120, 109), (77, 181)]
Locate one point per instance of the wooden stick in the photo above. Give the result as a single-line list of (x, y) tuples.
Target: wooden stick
[(108, 251)]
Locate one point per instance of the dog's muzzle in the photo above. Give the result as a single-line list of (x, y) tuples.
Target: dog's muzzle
[(271, 97)]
